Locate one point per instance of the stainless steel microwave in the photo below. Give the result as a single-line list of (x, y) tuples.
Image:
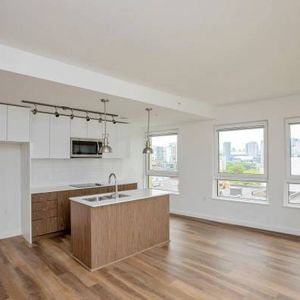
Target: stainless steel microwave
[(85, 148)]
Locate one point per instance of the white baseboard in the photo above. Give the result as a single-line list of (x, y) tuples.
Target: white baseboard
[(278, 229), (8, 234)]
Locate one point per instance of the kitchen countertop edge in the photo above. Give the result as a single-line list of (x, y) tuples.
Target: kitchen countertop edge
[(133, 195), (64, 188)]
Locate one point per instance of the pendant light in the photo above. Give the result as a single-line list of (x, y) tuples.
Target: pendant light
[(148, 149), (105, 146)]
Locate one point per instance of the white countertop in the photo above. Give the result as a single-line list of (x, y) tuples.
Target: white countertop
[(132, 195), (60, 188)]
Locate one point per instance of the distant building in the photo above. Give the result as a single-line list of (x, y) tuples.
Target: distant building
[(262, 152), (171, 153), (295, 147), (159, 153), (252, 149), (227, 150)]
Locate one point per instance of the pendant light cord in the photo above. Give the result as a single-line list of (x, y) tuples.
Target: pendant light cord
[(104, 119), (148, 124)]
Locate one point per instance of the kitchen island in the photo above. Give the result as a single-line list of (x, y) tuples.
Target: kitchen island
[(105, 229)]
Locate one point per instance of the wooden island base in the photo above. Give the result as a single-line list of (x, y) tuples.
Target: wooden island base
[(106, 234)]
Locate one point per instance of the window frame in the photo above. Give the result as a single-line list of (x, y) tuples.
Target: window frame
[(290, 179), (147, 171), (240, 177)]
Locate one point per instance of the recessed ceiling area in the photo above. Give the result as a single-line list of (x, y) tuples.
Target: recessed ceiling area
[(14, 88), (219, 52)]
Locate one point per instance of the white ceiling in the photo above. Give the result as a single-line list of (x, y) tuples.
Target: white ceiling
[(218, 51), (14, 88)]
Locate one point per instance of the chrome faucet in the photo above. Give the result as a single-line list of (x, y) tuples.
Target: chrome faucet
[(113, 175)]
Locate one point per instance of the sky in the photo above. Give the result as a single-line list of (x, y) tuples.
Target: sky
[(295, 131), (239, 138), (164, 141)]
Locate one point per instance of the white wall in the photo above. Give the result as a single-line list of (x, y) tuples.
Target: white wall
[(195, 146), (63, 172), (25, 192), (10, 190)]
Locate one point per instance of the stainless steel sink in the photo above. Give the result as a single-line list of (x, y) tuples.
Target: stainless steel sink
[(85, 185), (107, 197)]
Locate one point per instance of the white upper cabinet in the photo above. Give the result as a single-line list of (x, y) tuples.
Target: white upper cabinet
[(17, 124), (60, 130), (94, 129), (79, 128), (123, 141), (40, 136), (3, 122)]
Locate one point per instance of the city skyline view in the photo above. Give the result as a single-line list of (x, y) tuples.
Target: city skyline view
[(164, 158), (239, 138), (241, 151), (164, 155)]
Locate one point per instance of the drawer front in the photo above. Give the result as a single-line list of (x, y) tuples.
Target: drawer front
[(39, 210), (51, 225), (39, 227), (127, 187), (44, 197)]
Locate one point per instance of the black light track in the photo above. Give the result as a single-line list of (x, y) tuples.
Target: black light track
[(81, 117), (68, 108)]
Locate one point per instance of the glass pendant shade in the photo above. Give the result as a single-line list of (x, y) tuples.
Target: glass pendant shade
[(148, 149), (105, 147)]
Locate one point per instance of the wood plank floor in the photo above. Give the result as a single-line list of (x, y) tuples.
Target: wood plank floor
[(203, 261)]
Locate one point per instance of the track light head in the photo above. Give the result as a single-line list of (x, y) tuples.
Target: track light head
[(87, 117), (100, 120), (114, 121), (34, 111), (56, 113), (72, 115)]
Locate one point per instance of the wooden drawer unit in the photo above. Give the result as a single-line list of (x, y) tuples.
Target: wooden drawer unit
[(44, 213), (51, 211)]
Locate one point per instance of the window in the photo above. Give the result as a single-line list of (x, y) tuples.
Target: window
[(292, 191), (161, 166), (241, 162)]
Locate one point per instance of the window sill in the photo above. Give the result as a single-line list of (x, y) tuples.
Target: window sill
[(171, 192), (242, 200), (291, 205)]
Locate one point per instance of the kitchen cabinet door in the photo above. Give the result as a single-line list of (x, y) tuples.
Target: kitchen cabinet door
[(123, 141), (40, 136), (17, 124), (79, 128), (63, 211), (3, 122), (60, 137), (94, 129)]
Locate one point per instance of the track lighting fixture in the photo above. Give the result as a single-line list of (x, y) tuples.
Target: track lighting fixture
[(61, 111), (56, 113)]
